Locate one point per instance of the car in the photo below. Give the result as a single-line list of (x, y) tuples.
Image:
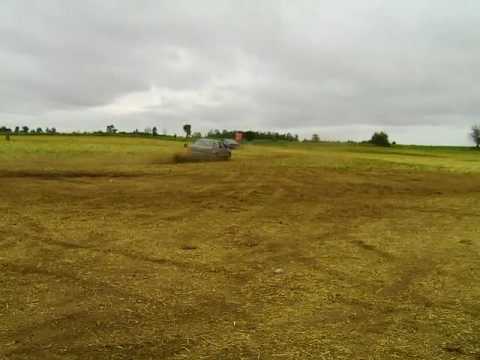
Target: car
[(231, 144), (210, 149)]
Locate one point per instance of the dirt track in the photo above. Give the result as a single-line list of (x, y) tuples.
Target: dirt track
[(240, 260)]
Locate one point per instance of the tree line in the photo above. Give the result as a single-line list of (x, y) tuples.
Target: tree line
[(26, 130), (378, 138), (251, 135)]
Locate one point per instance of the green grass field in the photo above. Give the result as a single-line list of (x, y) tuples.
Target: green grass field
[(109, 250)]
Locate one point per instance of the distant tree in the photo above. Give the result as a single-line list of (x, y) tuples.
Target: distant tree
[(475, 135), (17, 129), (25, 129), (197, 135), (5, 130), (188, 129), (111, 129), (213, 133), (154, 131), (39, 130), (53, 130), (296, 137), (315, 138), (148, 130), (380, 139), (32, 131), (249, 135)]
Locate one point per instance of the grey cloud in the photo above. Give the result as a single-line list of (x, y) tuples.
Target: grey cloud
[(307, 66)]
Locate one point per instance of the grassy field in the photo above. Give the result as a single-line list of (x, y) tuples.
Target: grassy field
[(295, 251)]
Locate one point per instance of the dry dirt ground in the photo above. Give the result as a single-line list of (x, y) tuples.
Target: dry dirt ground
[(280, 253)]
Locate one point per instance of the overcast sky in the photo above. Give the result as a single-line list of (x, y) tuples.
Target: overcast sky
[(337, 68)]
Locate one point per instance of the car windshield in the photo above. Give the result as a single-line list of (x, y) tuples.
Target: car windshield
[(206, 142)]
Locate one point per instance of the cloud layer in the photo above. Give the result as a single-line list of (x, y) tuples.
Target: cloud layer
[(338, 68)]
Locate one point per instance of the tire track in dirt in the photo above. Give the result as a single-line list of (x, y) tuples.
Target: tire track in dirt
[(373, 249), (95, 286), (60, 175), (60, 335), (54, 335), (128, 253), (409, 274)]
